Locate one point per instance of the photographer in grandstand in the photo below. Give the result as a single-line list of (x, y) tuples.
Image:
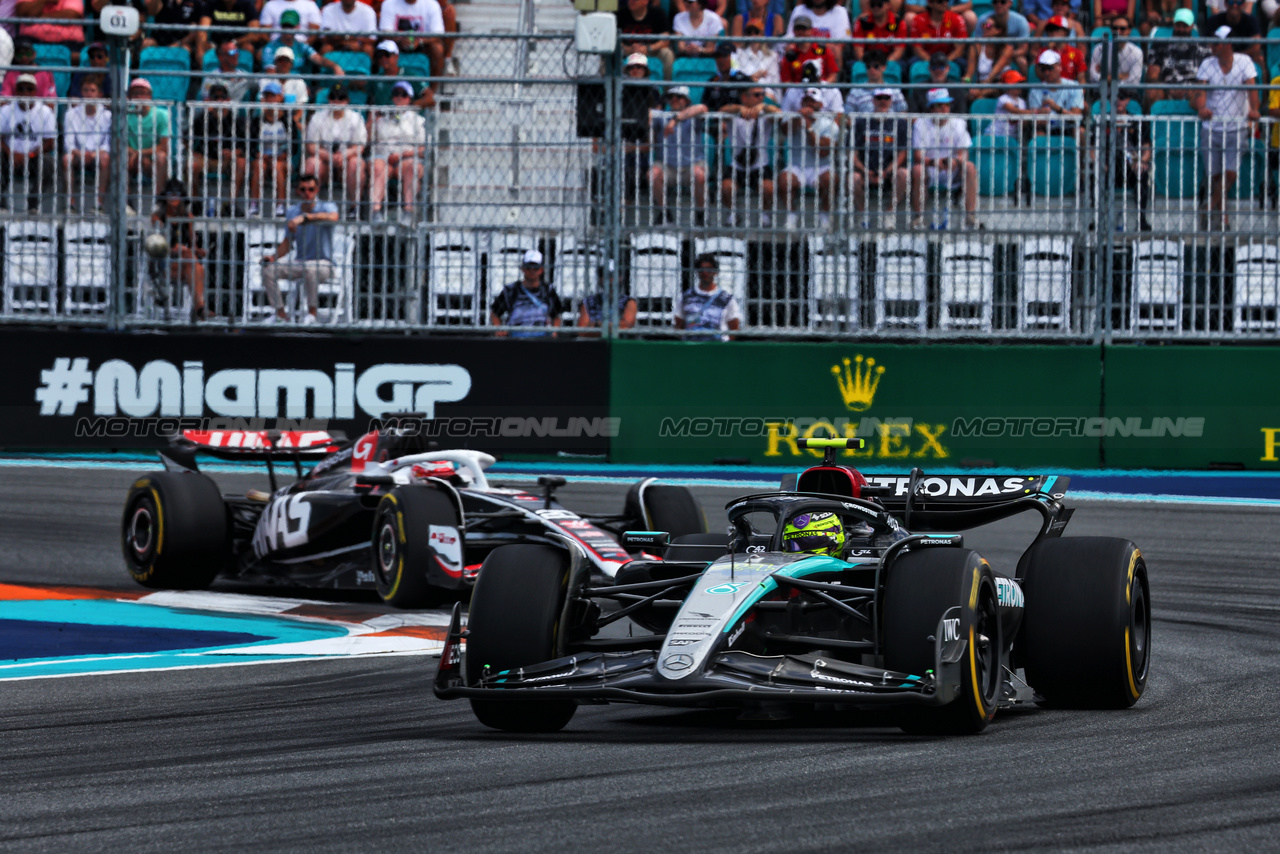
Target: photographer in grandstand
[(528, 302), (706, 306)]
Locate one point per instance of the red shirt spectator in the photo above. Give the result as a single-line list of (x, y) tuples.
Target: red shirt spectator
[(1073, 62), (24, 62), (938, 23), (70, 35), (791, 69), (889, 27)]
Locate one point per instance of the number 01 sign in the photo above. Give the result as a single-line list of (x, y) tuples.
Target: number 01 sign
[(119, 21)]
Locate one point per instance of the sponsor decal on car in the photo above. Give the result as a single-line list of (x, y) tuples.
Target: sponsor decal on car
[(728, 587), (1008, 592)]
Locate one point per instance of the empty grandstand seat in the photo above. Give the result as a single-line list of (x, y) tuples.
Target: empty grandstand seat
[(1156, 294), (352, 61), (453, 283), (30, 267), (1044, 285), (1273, 49), (1052, 164), (1133, 108), (983, 108), (86, 264), (901, 282), (996, 158), (687, 69), (1252, 168), (655, 68), (1257, 293), (1177, 165), (731, 255), (966, 279), (1172, 107), (55, 56), (835, 283), (413, 65), (655, 276), (165, 87), (260, 240)]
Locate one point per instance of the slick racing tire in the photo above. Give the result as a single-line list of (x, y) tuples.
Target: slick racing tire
[(665, 508), (175, 531), (921, 587), (1086, 630), (405, 561), (514, 620)]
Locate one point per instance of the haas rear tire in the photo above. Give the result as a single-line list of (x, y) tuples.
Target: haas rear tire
[(174, 531), (406, 561), (922, 586), (514, 619), (1086, 631), (666, 508)]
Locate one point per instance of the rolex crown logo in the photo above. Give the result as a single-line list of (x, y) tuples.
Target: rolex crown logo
[(858, 382)]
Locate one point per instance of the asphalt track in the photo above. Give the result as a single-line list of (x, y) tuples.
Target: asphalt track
[(357, 755)]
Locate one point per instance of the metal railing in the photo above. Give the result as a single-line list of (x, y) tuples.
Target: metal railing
[(1075, 227)]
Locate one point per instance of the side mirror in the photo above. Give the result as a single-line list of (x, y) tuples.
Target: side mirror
[(649, 541)]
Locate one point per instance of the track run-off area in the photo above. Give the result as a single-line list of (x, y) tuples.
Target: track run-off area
[(132, 719)]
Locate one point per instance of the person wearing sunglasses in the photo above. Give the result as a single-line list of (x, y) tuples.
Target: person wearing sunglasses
[(28, 134), (527, 303), (310, 235), (1129, 62)]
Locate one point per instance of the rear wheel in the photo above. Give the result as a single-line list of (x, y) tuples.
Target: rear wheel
[(174, 531), (416, 538), (514, 621), (663, 507), (922, 587), (1086, 631)]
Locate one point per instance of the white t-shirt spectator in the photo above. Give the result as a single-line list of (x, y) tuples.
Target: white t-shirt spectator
[(1002, 126), (1227, 98), (935, 140), (327, 130), (423, 17), (307, 10), (831, 24), (749, 61), (1128, 60), (81, 132), (831, 100), (362, 18), (295, 86), (398, 132), (803, 154), (711, 27), (25, 131)]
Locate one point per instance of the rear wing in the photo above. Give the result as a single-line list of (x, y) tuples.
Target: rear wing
[(265, 445), (953, 502)]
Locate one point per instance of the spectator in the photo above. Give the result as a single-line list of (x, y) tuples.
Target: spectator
[(1160, 13), (638, 103), (827, 20), (172, 216), (1214, 7), (294, 88), (700, 23), (1271, 12), (303, 53), (270, 150), (1070, 60), (1132, 169), (797, 55), (706, 307), (881, 23), (177, 20), (336, 138), (217, 145), (941, 143), (307, 11), (340, 22), (1011, 103), (24, 65), (1128, 58), (388, 70), (831, 100), (1106, 11), (678, 154), (233, 15), (938, 24), (1225, 110), (880, 144), (811, 136), (239, 83), (527, 303), (1273, 153), (988, 60), (750, 170), (638, 18), (1068, 11), (760, 13), (862, 98), (939, 72), (1054, 97), (28, 135), (310, 225), (70, 35), (414, 23), (591, 311), (1038, 11), (148, 135), (97, 69), (716, 98), (450, 16), (1013, 25), (1244, 29), (759, 62), (86, 141), (399, 148), (1175, 61)]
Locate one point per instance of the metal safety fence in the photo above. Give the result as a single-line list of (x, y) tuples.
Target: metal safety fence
[(861, 209)]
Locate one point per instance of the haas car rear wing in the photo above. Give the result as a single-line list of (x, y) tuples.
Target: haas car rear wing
[(266, 445)]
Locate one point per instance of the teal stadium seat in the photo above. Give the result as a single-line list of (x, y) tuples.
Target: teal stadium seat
[(688, 69), (55, 56), (1052, 163), (981, 107), (1252, 168), (165, 87), (1273, 50), (1132, 109), (655, 68), (1172, 108), (415, 65), (996, 158), (920, 72), (1160, 33), (1176, 157), (352, 62), (244, 61)]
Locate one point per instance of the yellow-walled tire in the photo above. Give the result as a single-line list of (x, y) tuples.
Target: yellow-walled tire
[(175, 531), (407, 570)]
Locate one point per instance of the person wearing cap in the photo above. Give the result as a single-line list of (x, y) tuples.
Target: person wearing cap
[(1227, 110), (1128, 57), (69, 35), (640, 102), (1011, 103), (989, 59), (308, 12), (28, 136), (1054, 97), (239, 82), (828, 19), (830, 95), (881, 22), (707, 307), (302, 52), (759, 62), (639, 18), (398, 147), (941, 143), (335, 140), (217, 144), (149, 134), (97, 68), (938, 31), (751, 133), (881, 142), (309, 235), (678, 154), (806, 62), (342, 23), (1175, 61), (698, 28), (1014, 26), (810, 138), (24, 62), (415, 25), (86, 142), (281, 68), (1133, 155), (386, 65), (527, 303), (179, 20), (1243, 26), (1068, 11), (1106, 11), (172, 217), (1071, 62), (223, 18), (940, 71), (270, 150), (1039, 11), (861, 99)]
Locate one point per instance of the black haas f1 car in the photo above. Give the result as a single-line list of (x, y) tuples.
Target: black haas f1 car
[(383, 513), (894, 613)]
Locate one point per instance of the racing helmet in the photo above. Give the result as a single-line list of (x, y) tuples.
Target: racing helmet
[(814, 533)]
